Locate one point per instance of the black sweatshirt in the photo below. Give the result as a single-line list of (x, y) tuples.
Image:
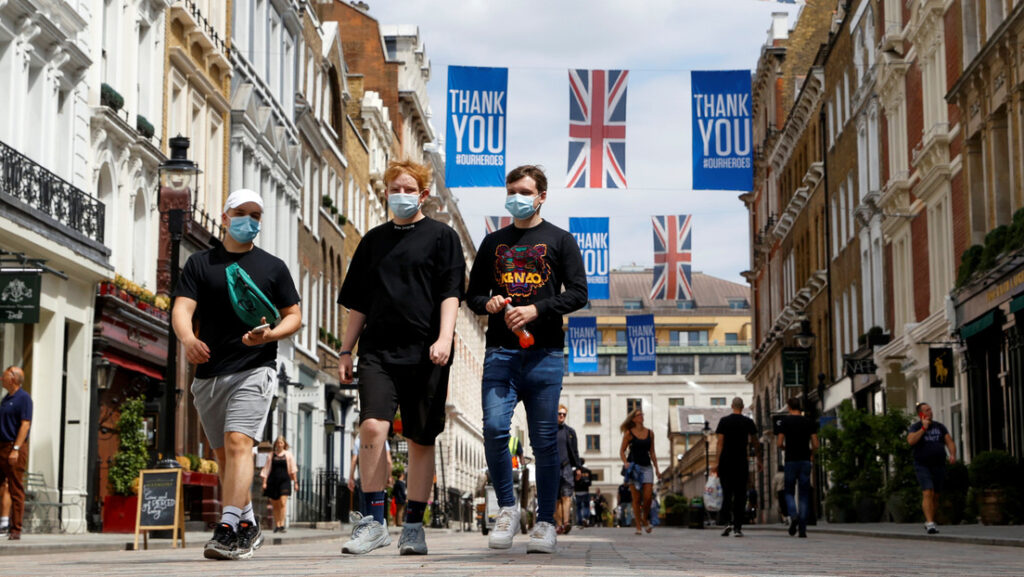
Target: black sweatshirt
[(530, 266)]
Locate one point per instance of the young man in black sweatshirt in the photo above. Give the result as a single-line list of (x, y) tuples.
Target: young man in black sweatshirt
[(525, 276)]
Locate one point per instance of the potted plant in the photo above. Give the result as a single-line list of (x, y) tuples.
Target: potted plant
[(119, 508), (993, 475), (676, 508)]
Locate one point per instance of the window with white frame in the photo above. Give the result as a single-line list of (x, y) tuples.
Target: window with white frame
[(903, 281), (940, 245), (851, 191)]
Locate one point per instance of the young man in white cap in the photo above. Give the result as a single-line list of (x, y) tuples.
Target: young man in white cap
[(241, 312)]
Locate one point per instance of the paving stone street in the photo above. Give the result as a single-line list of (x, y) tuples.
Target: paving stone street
[(593, 552)]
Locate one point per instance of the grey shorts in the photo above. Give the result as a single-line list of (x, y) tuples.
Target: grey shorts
[(236, 402)]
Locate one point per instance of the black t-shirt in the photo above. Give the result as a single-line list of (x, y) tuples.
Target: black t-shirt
[(582, 485), (798, 430), (530, 266), (737, 430), (931, 449), (203, 280), (398, 278)]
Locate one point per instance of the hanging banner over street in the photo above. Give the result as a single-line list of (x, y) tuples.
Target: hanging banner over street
[(475, 144), (592, 236), (640, 343), (722, 151), (19, 296), (583, 339), (597, 129)]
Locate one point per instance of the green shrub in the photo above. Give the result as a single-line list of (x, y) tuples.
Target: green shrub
[(993, 470), (868, 460), (144, 127), (995, 244), (110, 97), (131, 456), (970, 260)]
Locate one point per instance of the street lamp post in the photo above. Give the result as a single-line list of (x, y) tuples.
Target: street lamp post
[(177, 180)]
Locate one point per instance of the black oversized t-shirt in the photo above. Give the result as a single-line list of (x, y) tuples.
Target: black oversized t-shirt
[(530, 266), (931, 449), (737, 430), (798, 430), (204, 280), (398, 278)]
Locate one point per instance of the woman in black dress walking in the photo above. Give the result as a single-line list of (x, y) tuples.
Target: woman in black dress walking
[(640, 442), (278, 475)]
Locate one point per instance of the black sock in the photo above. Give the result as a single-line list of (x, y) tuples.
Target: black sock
[(375, 503), (414, 511)]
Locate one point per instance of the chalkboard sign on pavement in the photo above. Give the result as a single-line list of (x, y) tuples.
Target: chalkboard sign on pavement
[(160, 505)]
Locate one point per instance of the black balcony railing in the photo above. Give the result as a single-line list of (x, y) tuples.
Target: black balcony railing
[(42, 190)]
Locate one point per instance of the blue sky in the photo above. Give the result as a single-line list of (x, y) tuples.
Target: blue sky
[(659, 42)]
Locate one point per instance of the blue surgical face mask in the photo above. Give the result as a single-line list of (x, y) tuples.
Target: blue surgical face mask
[(404, 205), (244, 228), (520, 206)]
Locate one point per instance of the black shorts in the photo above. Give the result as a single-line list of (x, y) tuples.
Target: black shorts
[(419, 390)]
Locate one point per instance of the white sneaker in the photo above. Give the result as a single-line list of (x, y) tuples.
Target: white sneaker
[(542, 538), (367, 535), (505, 527)]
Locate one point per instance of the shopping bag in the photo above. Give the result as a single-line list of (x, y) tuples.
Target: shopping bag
[(713, 494)]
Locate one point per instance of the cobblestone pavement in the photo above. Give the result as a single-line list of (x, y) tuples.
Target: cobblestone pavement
[(594, 552)]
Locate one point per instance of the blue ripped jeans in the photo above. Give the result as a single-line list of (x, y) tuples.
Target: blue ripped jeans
[(533, 376)]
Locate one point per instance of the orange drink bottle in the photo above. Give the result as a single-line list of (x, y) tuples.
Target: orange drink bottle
[(525, 338)]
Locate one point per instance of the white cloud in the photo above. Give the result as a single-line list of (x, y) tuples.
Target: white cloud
[(659, 41)]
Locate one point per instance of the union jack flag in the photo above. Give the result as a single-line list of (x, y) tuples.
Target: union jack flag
[(672, 257), (494, 223), (597, 129)]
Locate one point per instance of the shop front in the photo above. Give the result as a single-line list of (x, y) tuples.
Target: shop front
[(129, 359), (989, 315)]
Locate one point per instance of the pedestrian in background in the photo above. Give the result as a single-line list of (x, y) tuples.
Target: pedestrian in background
[(930, 441), (224, 312), (625, 516), (278, 474), (526, 276), (15, 422), (582, 489), (569, 454), (639, 440), (402, 290), (735, 434), (600, 506), (798, 437), (398, 494)]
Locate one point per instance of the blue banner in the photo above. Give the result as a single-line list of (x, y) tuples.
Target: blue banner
[(592, 236), (475, 144), (722, 151), (583, 339), (640, 343)]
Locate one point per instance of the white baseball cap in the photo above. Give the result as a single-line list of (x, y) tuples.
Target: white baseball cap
[(242, 196)]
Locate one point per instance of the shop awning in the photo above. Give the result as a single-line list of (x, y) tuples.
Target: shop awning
[(974, 327), (1017, 304), (132, 365)]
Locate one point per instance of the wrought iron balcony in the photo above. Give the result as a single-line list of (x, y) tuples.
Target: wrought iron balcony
[(50, 194)]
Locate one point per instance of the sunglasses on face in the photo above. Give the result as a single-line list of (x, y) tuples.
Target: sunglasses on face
[(561, 414)]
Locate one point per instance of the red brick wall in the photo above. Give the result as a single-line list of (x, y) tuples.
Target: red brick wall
[(364, 54), (919, 247)]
